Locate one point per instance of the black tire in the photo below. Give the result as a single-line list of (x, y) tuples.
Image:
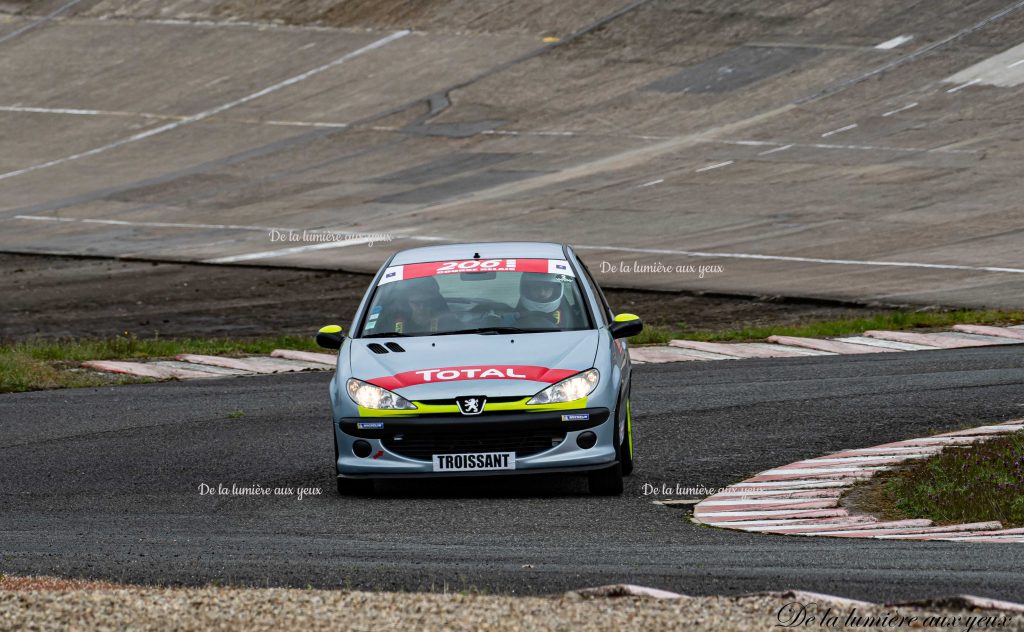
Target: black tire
[(606, 482), (624, 449), (355, 486)]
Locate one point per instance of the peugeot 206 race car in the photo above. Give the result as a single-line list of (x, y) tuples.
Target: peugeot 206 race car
[(482, 359)]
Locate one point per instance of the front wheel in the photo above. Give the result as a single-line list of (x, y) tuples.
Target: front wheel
[(606, 482), (625, 440)]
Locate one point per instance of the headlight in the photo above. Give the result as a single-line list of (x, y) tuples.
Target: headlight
[(570, 389), (370, 396)]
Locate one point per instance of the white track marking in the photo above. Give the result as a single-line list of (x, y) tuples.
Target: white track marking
[(262, 229), (916, 150), (847, 262), (259, 26), (505, 132), (962, 86), (119, 222), (1016, 63), (213, 82), (772, 151), (840, 130), (282, 252), (715, 166), (165, 117), (35, 110), (655, 251), (719, 141), (306, 124), (651, 183), (40, 21), (213, 111), (902, 109), (894, 42)]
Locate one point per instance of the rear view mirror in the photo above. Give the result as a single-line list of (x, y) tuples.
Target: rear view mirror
[(626, 325), (330, 337)]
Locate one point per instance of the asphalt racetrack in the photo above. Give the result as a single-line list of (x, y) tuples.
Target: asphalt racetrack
[(104, 483)]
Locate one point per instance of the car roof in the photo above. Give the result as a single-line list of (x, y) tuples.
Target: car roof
[(486, 250)]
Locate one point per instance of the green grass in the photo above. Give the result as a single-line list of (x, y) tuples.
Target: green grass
[(979, 483), (894, 321), (128, 347), (42, 364), (22, 373)]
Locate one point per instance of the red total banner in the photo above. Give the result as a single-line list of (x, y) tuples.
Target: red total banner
[(477, 372)]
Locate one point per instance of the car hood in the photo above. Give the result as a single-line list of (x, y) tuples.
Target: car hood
[(495, 365)]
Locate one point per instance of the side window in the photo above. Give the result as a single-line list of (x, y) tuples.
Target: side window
[(608, 315)]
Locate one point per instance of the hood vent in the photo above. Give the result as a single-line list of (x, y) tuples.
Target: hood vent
[(376, 348), (394, 346)]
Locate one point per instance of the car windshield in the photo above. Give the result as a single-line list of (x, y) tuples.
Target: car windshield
[(484, 296)]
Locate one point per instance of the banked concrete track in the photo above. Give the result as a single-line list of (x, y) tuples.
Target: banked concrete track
[(863, 151)]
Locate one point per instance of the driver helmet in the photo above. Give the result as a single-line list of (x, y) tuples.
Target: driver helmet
[(540, 293), (425, 294)]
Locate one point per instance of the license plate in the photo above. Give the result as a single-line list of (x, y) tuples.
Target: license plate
[(481, 461)]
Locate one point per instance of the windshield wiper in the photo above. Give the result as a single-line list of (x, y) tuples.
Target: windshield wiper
[(387, 334), (494, 330)]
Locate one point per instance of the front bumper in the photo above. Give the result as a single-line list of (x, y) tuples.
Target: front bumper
[(542, 441)]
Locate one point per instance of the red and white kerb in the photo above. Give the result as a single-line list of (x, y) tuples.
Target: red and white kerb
[(438, 268)]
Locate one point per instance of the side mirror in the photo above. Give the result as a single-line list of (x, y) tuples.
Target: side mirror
[(330, 337), (626, 325)]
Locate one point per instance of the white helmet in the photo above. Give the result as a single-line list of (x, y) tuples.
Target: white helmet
[(540, 294)]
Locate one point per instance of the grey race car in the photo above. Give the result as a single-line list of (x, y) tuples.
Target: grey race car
[(482, 359)]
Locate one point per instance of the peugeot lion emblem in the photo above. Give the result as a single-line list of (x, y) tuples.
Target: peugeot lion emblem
[(471, 404)]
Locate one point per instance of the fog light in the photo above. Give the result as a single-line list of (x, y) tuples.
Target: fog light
[(586, 440), (361, 449)]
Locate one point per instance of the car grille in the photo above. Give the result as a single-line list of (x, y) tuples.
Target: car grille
[(452, 402), (423, 445)]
